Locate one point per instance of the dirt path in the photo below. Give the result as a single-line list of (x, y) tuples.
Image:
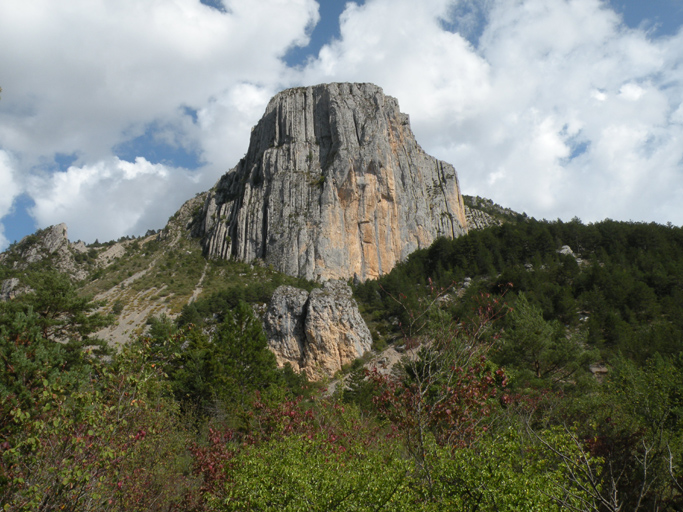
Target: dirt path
[(198, 289)]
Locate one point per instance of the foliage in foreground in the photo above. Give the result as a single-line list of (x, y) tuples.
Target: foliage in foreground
[(111, 441), (199, 419), (623, 287)]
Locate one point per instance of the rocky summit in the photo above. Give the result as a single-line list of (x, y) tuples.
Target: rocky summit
[(333, 186)]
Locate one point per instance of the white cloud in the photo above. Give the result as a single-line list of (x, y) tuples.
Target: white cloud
[(631, 92), (114, 197), (598, 95), (226, 121), (401, 46), (559, 111), (86, 76), (84, 73), (10, 187), (8, 183)]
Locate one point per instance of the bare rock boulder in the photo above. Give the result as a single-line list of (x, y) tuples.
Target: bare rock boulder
[(284, 325), (51, 244), (316, 333), (9, 289)]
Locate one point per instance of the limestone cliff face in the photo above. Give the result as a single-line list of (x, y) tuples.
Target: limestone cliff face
[(333, 185), (317, 333)]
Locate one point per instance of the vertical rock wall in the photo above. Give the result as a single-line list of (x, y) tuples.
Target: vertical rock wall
[(333, 185)]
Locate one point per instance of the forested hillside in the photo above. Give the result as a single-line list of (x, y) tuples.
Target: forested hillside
[(619, 283), (535, 377)]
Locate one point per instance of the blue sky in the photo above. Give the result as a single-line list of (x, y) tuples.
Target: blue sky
[(115, 112)]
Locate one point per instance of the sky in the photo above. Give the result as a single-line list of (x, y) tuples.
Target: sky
[(114, 112)]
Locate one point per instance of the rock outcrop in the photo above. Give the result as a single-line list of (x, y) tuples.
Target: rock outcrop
[(283, 324), (482, 213), (316, 333), (51, 244), (479, 219), (334, 185), (10, 288)]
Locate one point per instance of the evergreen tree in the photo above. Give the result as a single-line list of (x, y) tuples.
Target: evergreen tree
[(227, 367), (540, 350), (61, 313)]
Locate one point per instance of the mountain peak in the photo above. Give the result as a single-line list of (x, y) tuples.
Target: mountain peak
[(333, 186)]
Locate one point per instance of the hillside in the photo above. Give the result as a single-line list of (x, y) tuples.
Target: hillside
[(157, 274), (553, 324), (618, 283), (138, 278), (470, 358)]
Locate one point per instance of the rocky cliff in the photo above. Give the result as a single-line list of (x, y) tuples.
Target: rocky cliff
[(316, 333), (334, 185), (49, 244)]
